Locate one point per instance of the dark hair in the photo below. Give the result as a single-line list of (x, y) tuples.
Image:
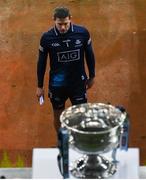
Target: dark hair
[(61, 12)]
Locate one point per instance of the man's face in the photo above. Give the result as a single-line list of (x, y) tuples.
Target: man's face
[(62, 24)]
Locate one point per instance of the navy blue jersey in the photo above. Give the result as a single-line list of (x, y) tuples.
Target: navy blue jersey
[(66, 53)]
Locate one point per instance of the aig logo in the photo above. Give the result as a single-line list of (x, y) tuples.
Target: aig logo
[(68, 56), (55, 44)]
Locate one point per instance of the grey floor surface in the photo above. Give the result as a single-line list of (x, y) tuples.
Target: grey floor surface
[(26, 173), (16, 173)]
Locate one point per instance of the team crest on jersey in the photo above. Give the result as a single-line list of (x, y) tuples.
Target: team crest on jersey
[(67, 56), (78, 42)]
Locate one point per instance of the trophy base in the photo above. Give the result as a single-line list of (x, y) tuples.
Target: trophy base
[(93, 167)]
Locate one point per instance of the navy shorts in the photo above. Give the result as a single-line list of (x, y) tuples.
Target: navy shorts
[(59, 95)]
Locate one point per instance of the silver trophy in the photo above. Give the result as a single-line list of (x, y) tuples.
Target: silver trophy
[(94, 129)]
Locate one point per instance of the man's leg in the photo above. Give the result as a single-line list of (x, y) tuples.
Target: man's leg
[(78, 94), (57, 113), (57, 97)]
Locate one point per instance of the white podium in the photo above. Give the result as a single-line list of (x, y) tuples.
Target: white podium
[(44, 163)]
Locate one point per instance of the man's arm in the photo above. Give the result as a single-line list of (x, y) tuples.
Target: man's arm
[(90, 60), (41, 67)]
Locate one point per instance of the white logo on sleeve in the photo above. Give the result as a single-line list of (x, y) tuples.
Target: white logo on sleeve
[(67, 56), (89, 41)]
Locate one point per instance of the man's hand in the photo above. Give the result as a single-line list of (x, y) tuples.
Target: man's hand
[(89, 83), (39, 92)]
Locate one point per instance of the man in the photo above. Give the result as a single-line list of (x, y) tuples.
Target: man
[(66, 44)]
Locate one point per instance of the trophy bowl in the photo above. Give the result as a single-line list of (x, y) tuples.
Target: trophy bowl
[(94, 129)]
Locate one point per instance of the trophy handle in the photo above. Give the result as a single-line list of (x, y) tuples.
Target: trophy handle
[(114, 153), (63, 156), (124, 137)]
